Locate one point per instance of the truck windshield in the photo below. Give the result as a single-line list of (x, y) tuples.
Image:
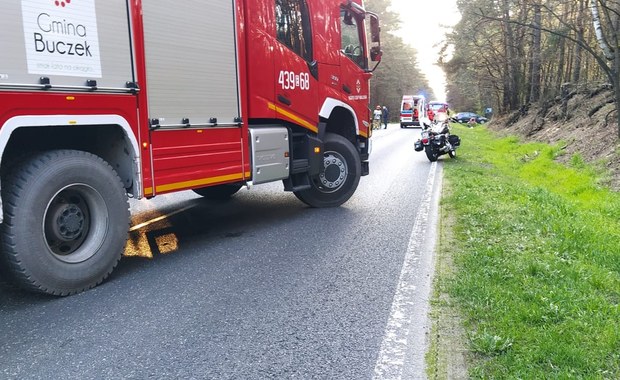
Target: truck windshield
[(352, 45)]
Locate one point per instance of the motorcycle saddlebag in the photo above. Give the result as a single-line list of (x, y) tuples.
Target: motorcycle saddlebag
[(454, 140), (418, 146)]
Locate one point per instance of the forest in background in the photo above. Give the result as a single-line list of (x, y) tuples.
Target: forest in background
[(510, 54), (398, 73)]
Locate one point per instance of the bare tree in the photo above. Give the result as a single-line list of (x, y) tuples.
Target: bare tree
[(606, 30), (536, 51), (581, 41), (569, 48)]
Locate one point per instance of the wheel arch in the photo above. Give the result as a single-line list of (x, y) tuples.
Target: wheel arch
[(107, 136), (340, 118)]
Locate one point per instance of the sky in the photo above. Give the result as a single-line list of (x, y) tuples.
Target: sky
[(424, 27)]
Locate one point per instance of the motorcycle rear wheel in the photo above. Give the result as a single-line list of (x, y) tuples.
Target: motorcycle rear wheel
[(431, 153)]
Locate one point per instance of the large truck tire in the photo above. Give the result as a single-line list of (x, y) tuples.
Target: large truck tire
[(219, 192), (339, 176), (66, 220)]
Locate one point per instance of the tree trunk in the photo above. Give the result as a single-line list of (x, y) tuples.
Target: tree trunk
[(560, 78), (510, 89), (615, 82), (580, 39), (598, 29), (611, 54), (615, 72), (535, 75)]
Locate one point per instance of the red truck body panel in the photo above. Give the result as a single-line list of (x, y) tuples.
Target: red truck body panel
[(103, 100), (274, 84)]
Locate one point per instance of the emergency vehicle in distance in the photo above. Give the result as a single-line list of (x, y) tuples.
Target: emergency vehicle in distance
[(101, 100), (435, 107), (413, 111)]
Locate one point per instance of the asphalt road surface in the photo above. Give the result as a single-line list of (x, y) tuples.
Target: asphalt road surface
[(259, 287)]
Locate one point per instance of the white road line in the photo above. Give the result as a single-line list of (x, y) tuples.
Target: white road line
[(391, 360)]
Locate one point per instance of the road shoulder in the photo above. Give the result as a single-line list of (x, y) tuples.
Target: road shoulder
[(447, 354)]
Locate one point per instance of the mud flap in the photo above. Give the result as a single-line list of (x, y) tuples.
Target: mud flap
[(365, 168)]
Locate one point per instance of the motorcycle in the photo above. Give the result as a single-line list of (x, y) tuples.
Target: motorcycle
[(436, 140)]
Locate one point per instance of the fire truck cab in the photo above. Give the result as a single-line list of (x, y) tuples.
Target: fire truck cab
[(109, 99)]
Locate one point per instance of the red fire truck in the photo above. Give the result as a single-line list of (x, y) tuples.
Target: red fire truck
[(105, 100)]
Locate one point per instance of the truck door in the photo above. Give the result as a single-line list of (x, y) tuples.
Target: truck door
[(353, 61), (194, 109), (296, 85)]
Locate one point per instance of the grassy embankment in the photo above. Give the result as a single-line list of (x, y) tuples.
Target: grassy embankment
[(529, 261)]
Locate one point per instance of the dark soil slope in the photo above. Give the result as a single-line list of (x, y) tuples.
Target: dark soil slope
[(584, 122)]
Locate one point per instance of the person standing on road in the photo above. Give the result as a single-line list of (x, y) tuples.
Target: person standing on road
[(376, 118), (385, 115)]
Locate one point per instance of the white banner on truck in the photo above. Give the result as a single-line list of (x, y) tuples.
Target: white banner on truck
[(61, 37)]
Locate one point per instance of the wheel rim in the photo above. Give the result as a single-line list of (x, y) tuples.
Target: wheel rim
[(334, 174), (75, 223)]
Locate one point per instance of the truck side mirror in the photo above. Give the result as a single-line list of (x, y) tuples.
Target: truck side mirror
[(375, 29), (375, 38), (376, 53)]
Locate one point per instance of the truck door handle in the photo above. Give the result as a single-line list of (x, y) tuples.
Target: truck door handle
[(346, 89), (284, 99)]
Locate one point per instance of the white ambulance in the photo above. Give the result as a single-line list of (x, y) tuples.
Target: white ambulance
[(413, 111)]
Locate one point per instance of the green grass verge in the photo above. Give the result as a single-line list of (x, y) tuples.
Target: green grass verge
[(536, 252)]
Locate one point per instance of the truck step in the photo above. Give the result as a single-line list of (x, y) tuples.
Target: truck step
[(297, 182), (299, 165)]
